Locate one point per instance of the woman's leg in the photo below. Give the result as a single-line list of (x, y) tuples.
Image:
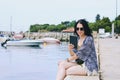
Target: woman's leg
[(63, 65), (76, 70)]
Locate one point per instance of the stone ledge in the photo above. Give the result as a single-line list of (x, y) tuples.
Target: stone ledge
[(72, 77)]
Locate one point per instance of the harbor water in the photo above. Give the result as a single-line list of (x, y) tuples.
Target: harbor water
[(31, 63)]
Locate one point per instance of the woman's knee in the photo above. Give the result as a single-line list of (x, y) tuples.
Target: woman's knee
[(69, 71), (81, 73), (76, 70)]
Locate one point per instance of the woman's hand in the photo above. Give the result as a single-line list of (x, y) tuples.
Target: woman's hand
[(70, 46)]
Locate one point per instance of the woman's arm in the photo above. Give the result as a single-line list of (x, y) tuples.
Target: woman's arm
[(70, 48), (71, 58), (73, 55)]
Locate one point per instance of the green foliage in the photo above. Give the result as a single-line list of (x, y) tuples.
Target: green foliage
[(97, 17), (99, 23), (92, 26), (108, 29), (61, 27), (117, 26), (103, 23), (117, 18), (34, 28), (72, 23), (66, 23)]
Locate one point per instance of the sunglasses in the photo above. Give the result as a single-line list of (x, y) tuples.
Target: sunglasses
[(81, 29)]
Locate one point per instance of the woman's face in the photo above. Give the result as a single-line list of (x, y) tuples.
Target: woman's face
[(80, 29)]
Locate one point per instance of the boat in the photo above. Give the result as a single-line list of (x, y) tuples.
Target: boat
[(50, 40), (24, 43), (18, 40), (30, 43)]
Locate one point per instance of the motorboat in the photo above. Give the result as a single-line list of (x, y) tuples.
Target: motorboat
[(50, 40), (24, 43)]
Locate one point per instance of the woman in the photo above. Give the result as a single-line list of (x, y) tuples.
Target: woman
[(86, 52)]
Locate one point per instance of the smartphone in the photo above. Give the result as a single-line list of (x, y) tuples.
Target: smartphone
[(74, 41)]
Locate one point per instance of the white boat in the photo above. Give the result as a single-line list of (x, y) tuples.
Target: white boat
[(24, 43), (50, 40)]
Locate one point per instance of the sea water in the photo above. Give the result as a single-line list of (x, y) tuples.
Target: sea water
[(31, 63)]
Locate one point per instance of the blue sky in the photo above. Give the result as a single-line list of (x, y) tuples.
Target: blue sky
[(27, 12)]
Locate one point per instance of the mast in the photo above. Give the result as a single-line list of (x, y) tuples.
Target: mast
[(116, 18), (11, 25)]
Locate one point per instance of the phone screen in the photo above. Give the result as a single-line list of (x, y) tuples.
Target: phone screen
[(74, 41)]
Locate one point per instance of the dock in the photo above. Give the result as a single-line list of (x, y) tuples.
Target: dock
[(109, 61)]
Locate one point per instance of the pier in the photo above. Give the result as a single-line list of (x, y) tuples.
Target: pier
[(108, 58)]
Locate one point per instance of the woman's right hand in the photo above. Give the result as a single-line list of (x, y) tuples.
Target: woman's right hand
[(70, 46)]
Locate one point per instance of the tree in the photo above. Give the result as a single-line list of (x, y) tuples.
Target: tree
[(33, 28), (72, 23), (93, 27), (66, 23), (117, 18), (51, 28), (105, 22), (107, 29), (97, 17), (61, 27), (117, 27)]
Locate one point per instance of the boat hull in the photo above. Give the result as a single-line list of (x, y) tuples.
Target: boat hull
[(51, 40), (24, 43)]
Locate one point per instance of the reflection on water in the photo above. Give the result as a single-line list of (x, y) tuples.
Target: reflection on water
[(26, 63)]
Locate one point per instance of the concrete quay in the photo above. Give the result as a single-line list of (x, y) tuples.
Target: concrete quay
[(110, 58), (72, 77), (108, 51)]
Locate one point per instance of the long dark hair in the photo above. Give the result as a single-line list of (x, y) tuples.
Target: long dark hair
[(87, 30)]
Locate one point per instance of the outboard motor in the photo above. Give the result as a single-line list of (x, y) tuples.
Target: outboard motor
[(3, 43)]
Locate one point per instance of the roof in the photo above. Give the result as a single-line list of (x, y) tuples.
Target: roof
[(68, 30)]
